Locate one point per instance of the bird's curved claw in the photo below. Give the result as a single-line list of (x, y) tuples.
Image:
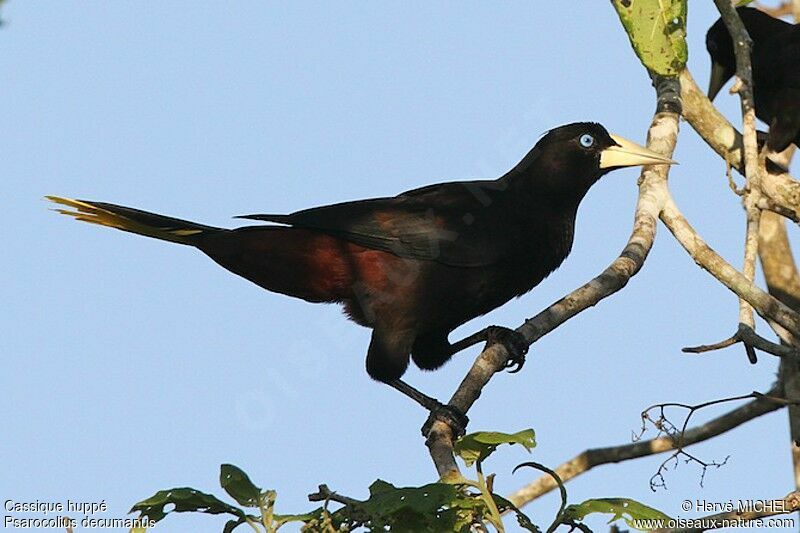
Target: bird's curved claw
[(451, 416), (515, 365), (513, 341)]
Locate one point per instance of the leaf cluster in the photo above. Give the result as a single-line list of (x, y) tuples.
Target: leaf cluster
[(460, 505)]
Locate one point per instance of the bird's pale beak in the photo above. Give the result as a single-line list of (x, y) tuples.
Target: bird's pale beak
[(717, 80), (629, 154)]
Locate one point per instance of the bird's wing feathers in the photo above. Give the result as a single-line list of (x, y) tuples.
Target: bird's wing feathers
[(784, 128), (449, 223), (776, 64), (776, 60)]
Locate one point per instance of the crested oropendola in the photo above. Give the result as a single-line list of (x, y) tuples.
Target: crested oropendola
[(415, 266), (775, 59)]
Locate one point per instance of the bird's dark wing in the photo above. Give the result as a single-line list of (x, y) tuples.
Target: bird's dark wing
[(777, 64), (776, 60), (784, 127), (451, 223)]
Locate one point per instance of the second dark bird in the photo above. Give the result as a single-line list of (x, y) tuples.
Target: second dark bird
[(415, 266), (776, 71)]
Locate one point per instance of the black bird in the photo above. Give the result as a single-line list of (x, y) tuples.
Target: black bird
[(776, 71), (415, 266)]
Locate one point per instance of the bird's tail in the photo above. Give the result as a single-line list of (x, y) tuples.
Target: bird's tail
[(134, 220)]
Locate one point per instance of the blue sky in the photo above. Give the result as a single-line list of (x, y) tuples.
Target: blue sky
[(132, 365)]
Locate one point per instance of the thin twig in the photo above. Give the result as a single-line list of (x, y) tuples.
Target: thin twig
[(665, 426), (594, 457), (752, 341), (324, 494), (742, 45), (702, 348)]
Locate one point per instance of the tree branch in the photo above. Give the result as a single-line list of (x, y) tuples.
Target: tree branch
[(743, 45), (782, 189), (324, 494), (751, 340), (764, 304), (783, 282)]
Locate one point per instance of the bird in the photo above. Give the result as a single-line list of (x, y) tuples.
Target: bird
[(415, 266), (775, 58)]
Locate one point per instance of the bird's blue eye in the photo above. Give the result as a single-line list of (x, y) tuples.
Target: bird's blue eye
[(587, 140)]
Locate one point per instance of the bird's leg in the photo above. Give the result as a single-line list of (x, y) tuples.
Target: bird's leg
[(772, 166), (513, 341), (418, 396), (448, 414)]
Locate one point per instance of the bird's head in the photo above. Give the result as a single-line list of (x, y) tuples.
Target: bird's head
[(719, 44), (569, 159)]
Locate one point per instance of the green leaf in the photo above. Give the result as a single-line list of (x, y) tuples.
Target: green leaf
[(410, 509), (386, 499), (657, 31), (281, 519), (622, 508), (230, 525), (478, 446), (184, 499), (238, 485), (468, 510)]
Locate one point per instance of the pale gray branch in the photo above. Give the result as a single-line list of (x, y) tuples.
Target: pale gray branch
[(783, 282), (764, 304), (742, 45), (752, 341)]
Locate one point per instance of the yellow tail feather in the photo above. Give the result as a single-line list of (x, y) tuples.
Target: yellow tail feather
[(107, 215)]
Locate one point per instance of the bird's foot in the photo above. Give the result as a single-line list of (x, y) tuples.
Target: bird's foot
[(513, 341), (775, 167), (451, 416)]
